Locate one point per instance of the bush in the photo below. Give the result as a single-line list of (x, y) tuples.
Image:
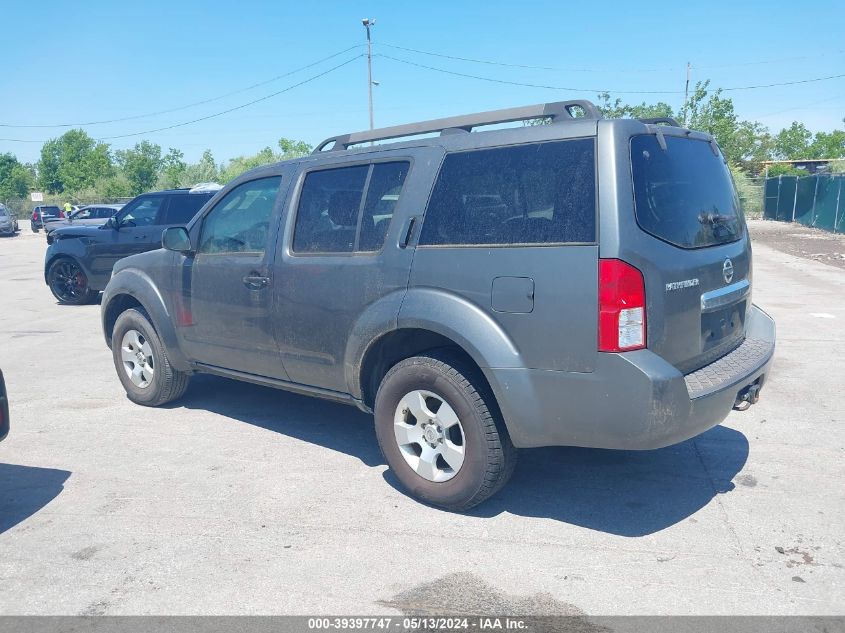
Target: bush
[(750, 194), (781, 169)]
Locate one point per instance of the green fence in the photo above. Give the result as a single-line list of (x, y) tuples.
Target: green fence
[(817, 201)]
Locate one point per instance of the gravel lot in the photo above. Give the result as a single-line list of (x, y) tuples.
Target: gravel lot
[(246, 500)]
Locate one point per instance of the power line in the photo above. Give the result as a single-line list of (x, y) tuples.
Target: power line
[(599, 90), (519, 83), (216, 114), (805, 106), (490, 62), (190, 105)]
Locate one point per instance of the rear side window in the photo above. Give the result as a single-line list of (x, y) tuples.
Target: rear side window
[(684, 194), (541, 193), (182, 208), (348, 209)]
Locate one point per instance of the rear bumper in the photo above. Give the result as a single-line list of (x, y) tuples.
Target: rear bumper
[(632, 401)]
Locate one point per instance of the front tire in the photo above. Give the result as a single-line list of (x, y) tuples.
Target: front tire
[(142, 364), (69, 284), (439, 429)]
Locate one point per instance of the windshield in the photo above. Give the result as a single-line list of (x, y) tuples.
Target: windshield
[(684, 194)]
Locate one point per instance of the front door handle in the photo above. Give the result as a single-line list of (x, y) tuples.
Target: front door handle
[(140, 237), (256, 282)]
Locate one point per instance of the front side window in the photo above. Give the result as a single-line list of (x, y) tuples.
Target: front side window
[(141, 211), (539, 193), (240, 222), (348, 209)]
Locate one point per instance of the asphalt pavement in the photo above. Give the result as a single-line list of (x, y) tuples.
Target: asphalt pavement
[(245, 500)]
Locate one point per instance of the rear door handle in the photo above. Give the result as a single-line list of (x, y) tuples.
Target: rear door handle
[(140, 237), (256, 282)]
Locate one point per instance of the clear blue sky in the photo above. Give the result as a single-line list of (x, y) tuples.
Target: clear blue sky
[(100, 59)]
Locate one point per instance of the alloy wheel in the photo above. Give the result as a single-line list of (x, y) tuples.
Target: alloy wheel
[(136, 354), (429, 435), (69, 282)]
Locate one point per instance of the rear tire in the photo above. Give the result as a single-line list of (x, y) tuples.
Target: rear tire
[(141, 362), (439, 429), (69, 284)]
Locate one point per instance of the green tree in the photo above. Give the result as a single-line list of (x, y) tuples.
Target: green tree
[(73, 162), (48, 167), (112, 187), (828, 145), (172, 169), (203, 171), (793, 143), (140, 165), (288, 149), (615, 109), (15, 178), (293, 149)]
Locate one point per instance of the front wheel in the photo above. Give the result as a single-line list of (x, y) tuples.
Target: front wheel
[(69, 284), (142, 364), (439, 429)]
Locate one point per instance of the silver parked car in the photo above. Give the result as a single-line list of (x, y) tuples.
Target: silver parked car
[(8, 221), (89, 215)]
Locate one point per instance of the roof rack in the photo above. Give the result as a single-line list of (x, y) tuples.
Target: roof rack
[(556, 111), (660, 119)]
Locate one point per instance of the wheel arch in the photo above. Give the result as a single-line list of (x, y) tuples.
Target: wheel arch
[(56, 257), (132, 288)]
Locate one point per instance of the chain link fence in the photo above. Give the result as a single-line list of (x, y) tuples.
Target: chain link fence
[(816, 201)]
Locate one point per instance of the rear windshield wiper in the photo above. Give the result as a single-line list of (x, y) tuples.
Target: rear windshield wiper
[(714, 218)]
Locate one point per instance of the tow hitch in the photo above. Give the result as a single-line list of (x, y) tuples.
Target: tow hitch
[(748, 396)]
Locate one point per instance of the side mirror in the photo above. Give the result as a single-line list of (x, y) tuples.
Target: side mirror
[(176, 238)]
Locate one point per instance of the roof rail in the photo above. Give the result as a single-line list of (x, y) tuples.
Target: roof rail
[(660, 119), (556, 111)]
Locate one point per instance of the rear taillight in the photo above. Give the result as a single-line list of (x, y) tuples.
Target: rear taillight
[(35, 216), (621, 307)]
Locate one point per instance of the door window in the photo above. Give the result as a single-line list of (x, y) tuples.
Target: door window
[(240, 222), (182, 208), (141, 211), (330, 217)]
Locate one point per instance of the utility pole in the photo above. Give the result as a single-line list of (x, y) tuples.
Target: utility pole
[(368, 22), (686, 93)]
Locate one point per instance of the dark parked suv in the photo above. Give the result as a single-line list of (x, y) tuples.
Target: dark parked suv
[(43, 214), (582, 283), (79, 259)]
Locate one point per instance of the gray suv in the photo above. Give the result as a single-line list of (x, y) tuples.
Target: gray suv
[(581, 283)]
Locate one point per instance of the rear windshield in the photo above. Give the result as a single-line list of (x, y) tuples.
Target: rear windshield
[(684, 194)]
